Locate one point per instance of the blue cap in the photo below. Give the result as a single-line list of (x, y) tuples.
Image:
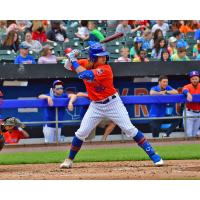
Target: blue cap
[(193, 73), (57, 82), (138, 39), (181, 44), (23, 46)]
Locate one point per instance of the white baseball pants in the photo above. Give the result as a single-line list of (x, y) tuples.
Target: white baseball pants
[(50, 134), (192, 124), (113, 110)]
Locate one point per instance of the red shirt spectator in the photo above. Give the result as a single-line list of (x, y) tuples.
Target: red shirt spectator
[(38, 31), (41, 37), (14, 136)]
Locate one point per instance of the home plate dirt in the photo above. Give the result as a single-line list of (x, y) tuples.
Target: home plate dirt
[(173, 169)]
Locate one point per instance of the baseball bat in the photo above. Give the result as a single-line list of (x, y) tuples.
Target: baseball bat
[(108, 39)]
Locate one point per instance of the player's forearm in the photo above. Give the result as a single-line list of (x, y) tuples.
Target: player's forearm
[(24, 133), (43, 96), (73, 98), (172, 92), (152, 92)]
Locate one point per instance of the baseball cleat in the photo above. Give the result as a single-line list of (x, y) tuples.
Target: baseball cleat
[(66, 164), (157, 160)]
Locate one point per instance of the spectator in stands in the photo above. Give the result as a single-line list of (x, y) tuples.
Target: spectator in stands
[(165, 55), (158, 47), (196, 49), (112, 23), (134, 51), (57, 34), (147, 36), (95, 34), (124, 52), (181, 52), (24, 57), (160, 24), (124, 28), (57, 91), (179, 36), (13, 26), (187, 26), (141, 56), (25, 25), (175, 26), (172, 45), (14, 130), (156, 35), (34, 45), (38, 32), (2, 27), (159, 110), (47, 57), (197, 34), (11, 41), (83, 32)]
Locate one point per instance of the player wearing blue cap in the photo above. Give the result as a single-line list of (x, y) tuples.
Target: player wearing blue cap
[(192, 109), (57, 91), (105, 102)]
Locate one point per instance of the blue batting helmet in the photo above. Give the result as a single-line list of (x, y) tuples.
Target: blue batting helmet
[(96, 50), (193, 73)]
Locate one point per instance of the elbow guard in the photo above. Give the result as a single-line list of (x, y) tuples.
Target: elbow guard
[(87, 74), (185, 92)]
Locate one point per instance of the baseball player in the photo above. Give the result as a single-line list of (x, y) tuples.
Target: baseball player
[(192, 109), (57, 91), (105, 102)]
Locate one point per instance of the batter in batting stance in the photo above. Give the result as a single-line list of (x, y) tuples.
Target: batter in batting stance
[(105, 102)]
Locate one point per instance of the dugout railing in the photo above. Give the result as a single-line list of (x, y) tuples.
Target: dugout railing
[(127, 100)]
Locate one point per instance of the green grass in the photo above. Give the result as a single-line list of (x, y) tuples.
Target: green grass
[(178, 152)]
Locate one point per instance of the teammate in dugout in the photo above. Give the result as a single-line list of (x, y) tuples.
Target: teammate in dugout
[(105, 102), (57, 91), (192, 109)]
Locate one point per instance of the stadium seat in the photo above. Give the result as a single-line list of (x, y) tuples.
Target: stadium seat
[(190, 35), (7, 56), (35, 55), (114, 49)]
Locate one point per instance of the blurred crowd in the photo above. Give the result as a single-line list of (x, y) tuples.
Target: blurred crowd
[(43, 41)]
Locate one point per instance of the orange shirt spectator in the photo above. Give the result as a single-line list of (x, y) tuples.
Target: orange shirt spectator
[(15, 135)]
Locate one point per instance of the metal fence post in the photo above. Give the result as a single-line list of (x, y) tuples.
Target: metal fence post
[(185, 119), (56, 125)]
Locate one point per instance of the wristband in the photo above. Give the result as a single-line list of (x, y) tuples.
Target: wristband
[(75, 64), (185, 92)]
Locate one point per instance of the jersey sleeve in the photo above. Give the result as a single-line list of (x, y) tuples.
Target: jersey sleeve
[(102, 73), (155, 88), (185, 88), (169, 88)]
